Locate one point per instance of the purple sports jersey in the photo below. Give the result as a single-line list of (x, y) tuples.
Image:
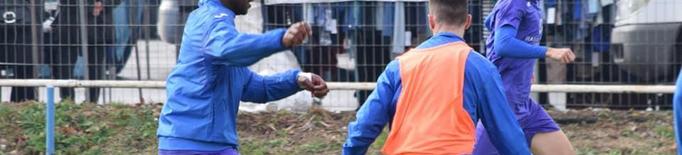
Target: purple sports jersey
[(526, 17)]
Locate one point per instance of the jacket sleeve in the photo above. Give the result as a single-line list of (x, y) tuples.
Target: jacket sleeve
[(374, 113), (494, 112), (225, 45), (261, 89), (677, 113)]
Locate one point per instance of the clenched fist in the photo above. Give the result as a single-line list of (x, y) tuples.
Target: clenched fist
[(296, 34), (564, 55), (313, 83)]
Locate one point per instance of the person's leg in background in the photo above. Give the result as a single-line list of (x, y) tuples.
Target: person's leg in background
[(63, 47), (556, 74), (96, 69), (3, 58), (23, 70), (16, 54), (60, 58), (22, 57), (371, 59), (63, 63)]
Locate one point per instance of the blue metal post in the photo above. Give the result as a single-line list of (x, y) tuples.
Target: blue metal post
[(49, 116)]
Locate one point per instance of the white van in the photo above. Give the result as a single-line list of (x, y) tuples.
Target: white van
[(647, 39)]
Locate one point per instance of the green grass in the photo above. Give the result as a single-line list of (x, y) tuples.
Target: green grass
[(665, 132), (282, 144), (80, 128), (126, 129)]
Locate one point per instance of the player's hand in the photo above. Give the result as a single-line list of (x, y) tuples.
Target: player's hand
[(313, 83), (563, 55), (296, 34)]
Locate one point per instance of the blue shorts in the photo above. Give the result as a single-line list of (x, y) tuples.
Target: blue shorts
[(229, 151), (532, 118)]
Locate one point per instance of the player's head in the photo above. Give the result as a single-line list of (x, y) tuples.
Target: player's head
[(448, 13), (240, 7)]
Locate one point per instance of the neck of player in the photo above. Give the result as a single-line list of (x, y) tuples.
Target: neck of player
[(457, 30)]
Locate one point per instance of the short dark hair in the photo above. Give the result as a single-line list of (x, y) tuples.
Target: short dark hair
[(451, 12)]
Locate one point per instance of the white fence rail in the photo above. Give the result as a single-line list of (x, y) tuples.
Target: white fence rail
[(646, 89), (270, 2)]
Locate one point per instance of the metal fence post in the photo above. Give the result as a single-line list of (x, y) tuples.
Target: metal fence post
[(84, 44), (35, 40), (147, 36), (49, 117), (137, 52)]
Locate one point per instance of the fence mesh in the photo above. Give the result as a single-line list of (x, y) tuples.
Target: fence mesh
[(616, 41)]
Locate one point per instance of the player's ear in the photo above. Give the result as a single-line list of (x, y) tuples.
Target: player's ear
[(432, 22), (467, 23)]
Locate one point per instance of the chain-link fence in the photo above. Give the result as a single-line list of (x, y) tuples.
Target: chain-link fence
[(353, 41), (617, 42), (80, 39), (368, 34)]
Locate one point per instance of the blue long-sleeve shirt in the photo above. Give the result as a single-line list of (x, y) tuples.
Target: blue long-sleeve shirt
[(484, 100), (211, 78), (677, 113)]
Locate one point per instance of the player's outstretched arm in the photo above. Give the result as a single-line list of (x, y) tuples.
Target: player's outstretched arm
[(261, 89), (225, 45), (507, 45)]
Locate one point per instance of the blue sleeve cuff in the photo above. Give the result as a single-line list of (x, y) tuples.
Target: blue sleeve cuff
[(291, 84), (294, 79), (542, 51), (286, 87), (279, 35), (262, 89)]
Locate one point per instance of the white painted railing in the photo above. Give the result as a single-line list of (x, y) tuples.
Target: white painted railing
[(566, 88)]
